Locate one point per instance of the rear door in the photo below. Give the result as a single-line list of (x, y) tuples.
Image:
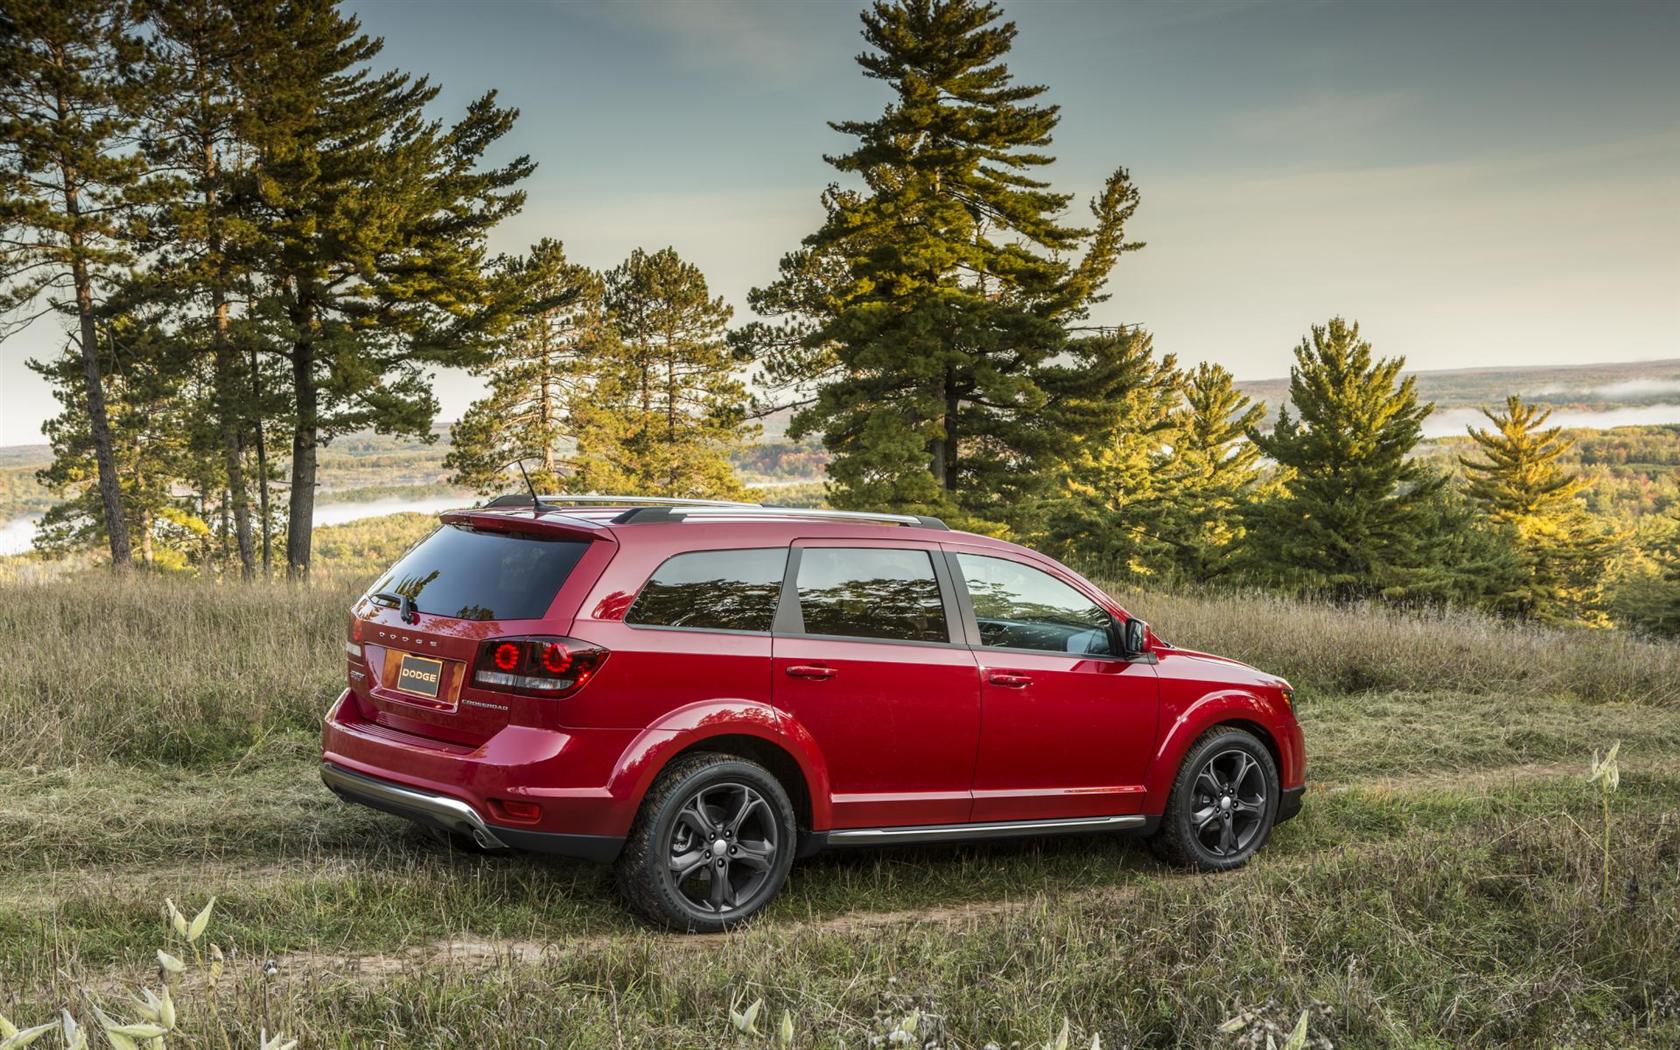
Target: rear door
[(868, 656), (421, 624), (1068, 725)]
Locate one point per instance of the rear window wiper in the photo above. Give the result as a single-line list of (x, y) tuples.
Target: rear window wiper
[(409, 610)]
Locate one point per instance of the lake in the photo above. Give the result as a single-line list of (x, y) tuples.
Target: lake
[(17, 535)]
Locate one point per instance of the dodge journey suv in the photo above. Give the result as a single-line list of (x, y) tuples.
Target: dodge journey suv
[(700, 692)]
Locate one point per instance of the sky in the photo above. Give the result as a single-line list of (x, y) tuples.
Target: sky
[(1478, 184)]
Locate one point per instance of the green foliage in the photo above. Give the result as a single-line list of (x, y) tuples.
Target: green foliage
[(370, 220), (1349, 519), (151, 420), (1115, 497), (667, 407), (538, 370), (925, 311), (1519, 484), (1214, 472), (69, 180)]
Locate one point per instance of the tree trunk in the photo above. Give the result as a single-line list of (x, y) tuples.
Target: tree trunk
[(233, 451), (262, 469), (305, 430), (942, 455), (226, 378), (110, 491)]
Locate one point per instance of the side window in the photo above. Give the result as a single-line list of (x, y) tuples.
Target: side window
[(715, 590), (871, 592), (1020, 607)]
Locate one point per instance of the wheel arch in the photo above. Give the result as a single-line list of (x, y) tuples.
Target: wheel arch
[(1235, 708), (749, 731)]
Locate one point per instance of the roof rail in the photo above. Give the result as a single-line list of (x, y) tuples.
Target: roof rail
[(650, 515), (650, 509), (592, 500)]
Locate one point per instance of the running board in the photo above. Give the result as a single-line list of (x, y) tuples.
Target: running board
[(963, 832)]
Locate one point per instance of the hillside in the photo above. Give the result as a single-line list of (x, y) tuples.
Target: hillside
[(365, 467), (1447, 833)]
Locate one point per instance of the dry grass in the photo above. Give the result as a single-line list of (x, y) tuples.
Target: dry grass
[(1334, 649), (1446, 891), (188, 671)]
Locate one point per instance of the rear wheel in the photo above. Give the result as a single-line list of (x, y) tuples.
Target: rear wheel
[(712, 844), (1223, 805)]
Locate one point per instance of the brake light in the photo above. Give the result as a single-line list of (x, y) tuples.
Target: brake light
[(552, 667), (507, 656), (353, 639)]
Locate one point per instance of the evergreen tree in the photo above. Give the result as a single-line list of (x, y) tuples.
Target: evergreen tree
[(151, 407), (198, 225), (1112, 500), (68, 174), (538, 370), (1519, 483), (928, 312), (1353, 503), (1214, 473), (669, 405), (371, 221), (1520, 476)]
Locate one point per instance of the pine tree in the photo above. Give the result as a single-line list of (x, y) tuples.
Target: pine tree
[(1110, 504), (925, 313), (1214, 473), (669, 405), (68, 175), (151, 406), (1520, 476), (199, 228), (538, 370), (1520, 483), (1352, 505), (371, 221)]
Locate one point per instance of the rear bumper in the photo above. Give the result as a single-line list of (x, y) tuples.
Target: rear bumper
[(569, 774), (451, 814)]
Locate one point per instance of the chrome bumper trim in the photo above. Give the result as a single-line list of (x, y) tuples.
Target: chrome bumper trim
[(953, 832), (408, 802)]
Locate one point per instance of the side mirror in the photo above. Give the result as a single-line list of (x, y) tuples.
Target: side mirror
[(1134, 637)]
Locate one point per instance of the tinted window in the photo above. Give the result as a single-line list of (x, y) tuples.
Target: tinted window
[(871, 592), (462, 572), (720, 590), (1020, 607)]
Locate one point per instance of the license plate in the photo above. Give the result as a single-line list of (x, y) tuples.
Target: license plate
[(420, 675)]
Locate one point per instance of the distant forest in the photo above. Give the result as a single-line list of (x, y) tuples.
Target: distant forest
[(261, 241)]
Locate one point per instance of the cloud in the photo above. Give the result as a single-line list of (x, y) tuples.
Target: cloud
[(769, 40), (1322, 115)]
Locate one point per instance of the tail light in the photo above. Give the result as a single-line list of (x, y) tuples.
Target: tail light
[(353, 639), (537, 666)]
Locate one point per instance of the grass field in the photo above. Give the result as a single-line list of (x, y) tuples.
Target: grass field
[(1442, 887)]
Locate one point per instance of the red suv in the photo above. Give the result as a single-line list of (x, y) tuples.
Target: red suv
[(700, 692)]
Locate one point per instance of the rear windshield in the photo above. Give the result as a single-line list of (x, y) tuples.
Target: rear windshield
[(474, 575)]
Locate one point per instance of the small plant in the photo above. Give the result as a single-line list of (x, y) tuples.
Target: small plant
[(1607, 774), (158, 1016), (1254, 1028)]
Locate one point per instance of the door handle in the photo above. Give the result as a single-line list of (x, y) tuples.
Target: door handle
[(1011, 679), (811, 671)]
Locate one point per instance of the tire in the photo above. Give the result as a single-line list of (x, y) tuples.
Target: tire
[(1208, 826), (711, 844)]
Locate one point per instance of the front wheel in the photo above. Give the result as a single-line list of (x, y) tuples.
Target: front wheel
[(712, 844), (1223, 805)]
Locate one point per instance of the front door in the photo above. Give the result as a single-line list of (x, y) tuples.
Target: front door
[(1068, 726), (868, 658)]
